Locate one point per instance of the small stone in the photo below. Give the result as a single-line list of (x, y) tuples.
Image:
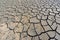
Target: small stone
[(34, 20)]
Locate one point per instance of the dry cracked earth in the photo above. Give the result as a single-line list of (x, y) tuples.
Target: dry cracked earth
[(29, 19)]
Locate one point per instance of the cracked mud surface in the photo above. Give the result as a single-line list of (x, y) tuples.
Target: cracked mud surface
[(29, 20)]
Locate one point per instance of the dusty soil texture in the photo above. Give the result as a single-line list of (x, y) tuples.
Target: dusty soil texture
[(29, 19)]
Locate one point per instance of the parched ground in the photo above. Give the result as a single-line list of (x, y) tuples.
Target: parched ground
[(29, 19)]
